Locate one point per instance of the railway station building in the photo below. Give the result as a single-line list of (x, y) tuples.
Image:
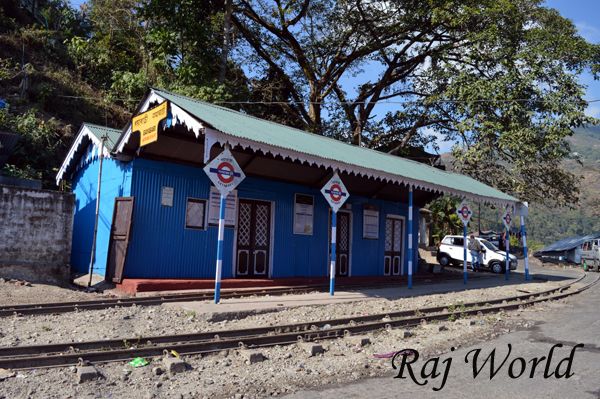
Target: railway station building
[(158, 211)]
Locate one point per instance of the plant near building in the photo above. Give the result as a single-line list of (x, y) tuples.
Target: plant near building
[(39, 142), (444, 220)]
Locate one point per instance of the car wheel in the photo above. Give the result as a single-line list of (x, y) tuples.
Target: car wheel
[(497, 267), (444, 260)]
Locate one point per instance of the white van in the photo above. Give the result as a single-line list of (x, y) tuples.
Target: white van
[(450, 252)]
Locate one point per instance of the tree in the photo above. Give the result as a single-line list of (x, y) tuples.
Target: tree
[(444, 219), (497, 76)]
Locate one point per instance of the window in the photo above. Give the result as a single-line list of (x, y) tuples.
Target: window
[(303, 214), (489, 245), (586, 246), (195, 214), (458, 241)]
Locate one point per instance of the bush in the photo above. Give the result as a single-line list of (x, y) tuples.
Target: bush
[(37, 149)]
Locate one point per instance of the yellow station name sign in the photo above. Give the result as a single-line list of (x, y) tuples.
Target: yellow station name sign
[(147, 123)]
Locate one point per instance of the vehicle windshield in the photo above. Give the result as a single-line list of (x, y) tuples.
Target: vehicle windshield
[(489, 245)]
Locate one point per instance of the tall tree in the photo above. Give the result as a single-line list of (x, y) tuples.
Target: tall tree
[(499, 76)]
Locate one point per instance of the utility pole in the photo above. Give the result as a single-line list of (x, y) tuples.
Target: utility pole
[(479, 218), (93, 255)]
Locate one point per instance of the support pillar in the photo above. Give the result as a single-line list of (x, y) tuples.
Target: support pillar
[(220, 249), (507, 268), (410, 236), (525, 252), (465, 253), (333, 254)]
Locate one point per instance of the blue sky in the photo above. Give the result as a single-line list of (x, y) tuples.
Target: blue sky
[(585, 14)]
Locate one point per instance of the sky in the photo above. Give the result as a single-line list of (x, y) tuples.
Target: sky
[(584, 14)]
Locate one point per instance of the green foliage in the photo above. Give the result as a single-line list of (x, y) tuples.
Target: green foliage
[(25, 172), (113, 44), (497, 76), (36, 149), (534, 245), (7, 23), (514, 241), (291, 58), (128, 87), (7, 69), (444, 219), (58, 15)]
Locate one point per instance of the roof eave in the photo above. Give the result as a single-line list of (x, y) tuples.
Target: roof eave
[(83, 133)]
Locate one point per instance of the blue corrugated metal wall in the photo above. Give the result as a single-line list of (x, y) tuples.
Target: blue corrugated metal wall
[(116, 182), (162, 248)]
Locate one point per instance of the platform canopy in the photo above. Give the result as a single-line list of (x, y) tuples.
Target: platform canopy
[(279, 152)]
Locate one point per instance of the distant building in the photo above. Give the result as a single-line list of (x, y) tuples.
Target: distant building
[(572, 249)]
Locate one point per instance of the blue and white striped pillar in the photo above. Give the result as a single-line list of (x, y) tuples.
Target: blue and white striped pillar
[(524, 238), (410, 236), (333, 254), (465, 253), (220, 249), (507, 271)]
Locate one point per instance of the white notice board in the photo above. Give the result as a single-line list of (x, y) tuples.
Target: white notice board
[(371, 224), (166, 196), (230, 207), (303, 214)]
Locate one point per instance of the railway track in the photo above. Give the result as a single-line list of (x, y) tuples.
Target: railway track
[(64, 307), (66, 354)]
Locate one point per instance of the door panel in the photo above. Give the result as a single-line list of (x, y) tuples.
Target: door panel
[(119, 238), (342, 248), (253, 238), (392, 261)]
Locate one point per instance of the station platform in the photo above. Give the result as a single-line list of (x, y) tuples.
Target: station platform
[(240, 307), (134, 286)]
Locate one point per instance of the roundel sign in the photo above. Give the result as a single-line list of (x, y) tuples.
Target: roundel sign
[(464, 212), (224, 172), (335, 192), (507, 218)]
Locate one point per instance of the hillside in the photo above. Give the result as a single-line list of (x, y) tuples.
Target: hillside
[(546, 224), (46, 97)]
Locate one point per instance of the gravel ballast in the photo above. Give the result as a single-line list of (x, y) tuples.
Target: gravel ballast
[(254, 373)]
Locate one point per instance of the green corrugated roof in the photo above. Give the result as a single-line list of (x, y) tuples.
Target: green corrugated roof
[(99, 131), (247, 127)]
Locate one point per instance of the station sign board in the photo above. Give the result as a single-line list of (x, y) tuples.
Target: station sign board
[(464, 212), (335, 193), (224, 172), (147, 123), (507, 217)]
